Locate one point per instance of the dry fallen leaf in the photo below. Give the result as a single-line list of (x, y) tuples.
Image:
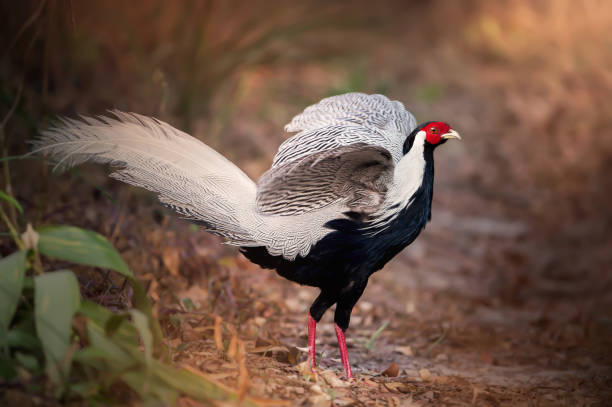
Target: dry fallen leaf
[(305, 372), (153, 290), (320, 400), (425, 374), (442, 357), (243, 373), (398, 387), (261, 342), (316, 389), (221, 376), (232, 349), (392, 370), (269, 348), (263, 402), (293, 357), (217, 335), (404, 350), (198, 295), (442, 379), (391, 386), (170, 258), (332, 379)]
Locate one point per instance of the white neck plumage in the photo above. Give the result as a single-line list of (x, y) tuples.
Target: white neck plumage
[(409, 171), (407, 179)]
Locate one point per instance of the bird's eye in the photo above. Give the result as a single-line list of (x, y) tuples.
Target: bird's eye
[(433, 130)]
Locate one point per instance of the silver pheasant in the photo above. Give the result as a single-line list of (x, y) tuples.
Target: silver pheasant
[(343, 195)]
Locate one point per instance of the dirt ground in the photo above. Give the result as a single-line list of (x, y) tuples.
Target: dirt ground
[(504, 300), (461, 313)]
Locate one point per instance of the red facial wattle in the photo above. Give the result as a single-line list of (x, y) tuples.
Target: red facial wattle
[(433, 138), (434, 132)]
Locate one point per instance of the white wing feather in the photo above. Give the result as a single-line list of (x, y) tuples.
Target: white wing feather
[(188, 176), (204, 186), (347, 119)]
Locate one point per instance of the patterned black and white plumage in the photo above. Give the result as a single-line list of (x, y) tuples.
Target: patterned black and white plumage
[(343, 196)]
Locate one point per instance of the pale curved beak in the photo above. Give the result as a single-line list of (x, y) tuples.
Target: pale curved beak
[(451, 134)]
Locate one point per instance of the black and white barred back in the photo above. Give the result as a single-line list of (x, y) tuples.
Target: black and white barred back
[(346, 163)]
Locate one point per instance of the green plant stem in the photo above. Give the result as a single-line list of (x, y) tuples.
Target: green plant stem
[(37, 264), (375, 335), (435, 343), (12, 229), (5, 164)]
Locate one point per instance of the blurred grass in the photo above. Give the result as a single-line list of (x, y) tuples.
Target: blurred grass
[(156, 53), (431, 92)]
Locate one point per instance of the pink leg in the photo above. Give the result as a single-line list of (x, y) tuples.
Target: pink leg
[(312, 335), (343, 352)]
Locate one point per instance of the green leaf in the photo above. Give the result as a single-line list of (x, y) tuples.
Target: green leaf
[(115, 354), (28, 283), (114, 326), (118, 359), (28, 361), (95, 312), (113, 323), (7, 369), (17, 338), (56, 300), (11, 200), (195, 385), (143, 304), (92, 356), (12, 270), (80, 246), (156, 392), (141, 323), (87, 389)]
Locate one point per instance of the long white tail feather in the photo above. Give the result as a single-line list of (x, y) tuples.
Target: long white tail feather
[(188, 176)]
